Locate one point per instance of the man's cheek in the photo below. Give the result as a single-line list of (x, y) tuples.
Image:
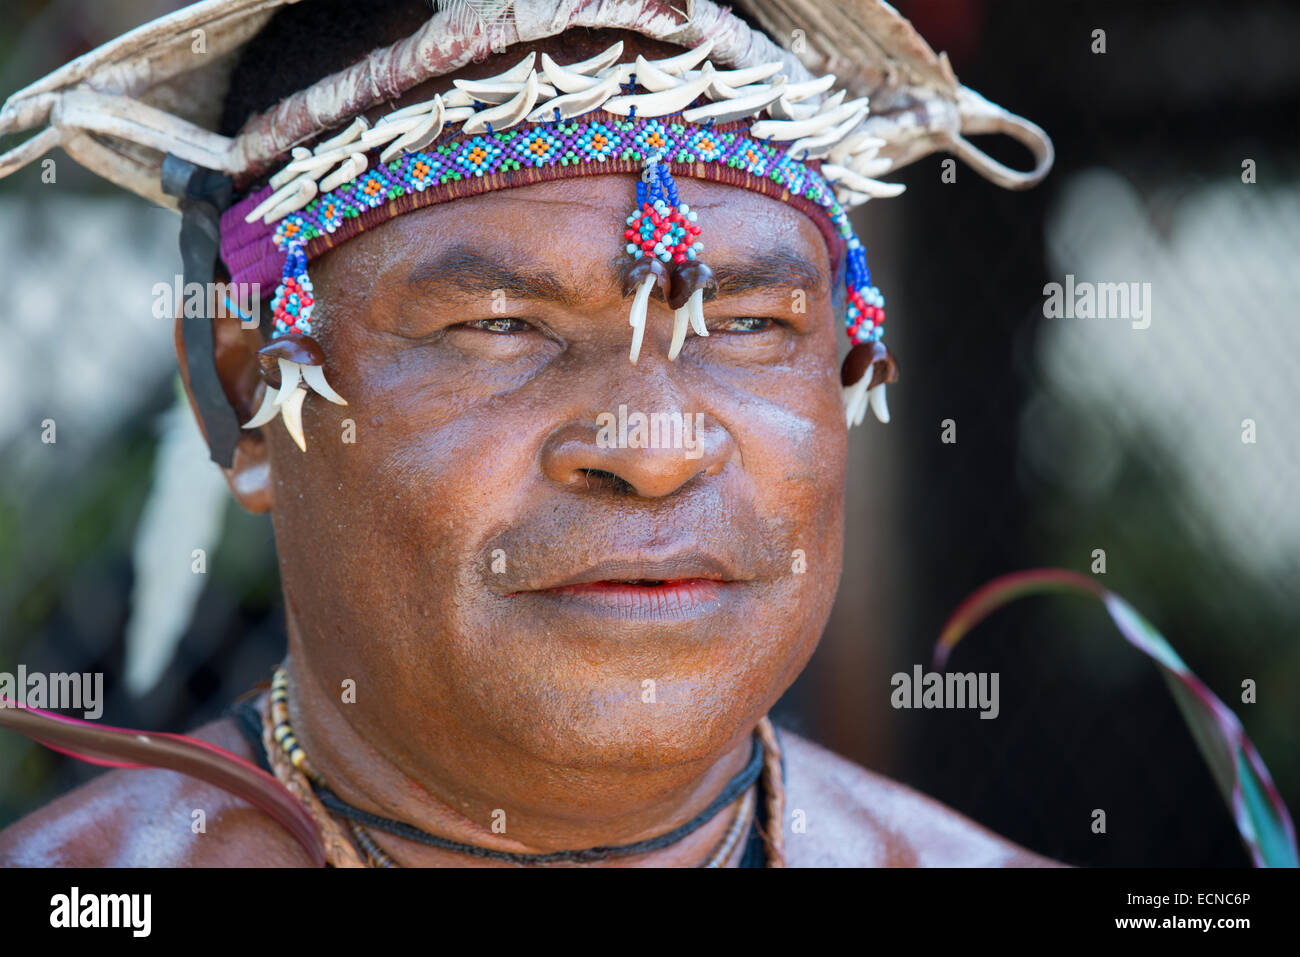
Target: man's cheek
[(806, 499), (797, 459), (443, 486)]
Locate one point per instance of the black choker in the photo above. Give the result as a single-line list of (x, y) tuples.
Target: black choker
[(737, 786)]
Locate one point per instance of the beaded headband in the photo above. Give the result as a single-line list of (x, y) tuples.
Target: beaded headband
[(491, 134)]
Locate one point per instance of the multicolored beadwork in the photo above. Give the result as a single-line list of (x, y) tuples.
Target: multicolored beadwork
[(660, 226), (864, 304), (662, 230), (292, 305), (594, 138)]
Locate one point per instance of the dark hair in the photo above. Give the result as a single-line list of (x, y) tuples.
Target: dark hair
[(307, 42)]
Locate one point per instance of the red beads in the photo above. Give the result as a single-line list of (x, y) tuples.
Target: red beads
[(672, 235)]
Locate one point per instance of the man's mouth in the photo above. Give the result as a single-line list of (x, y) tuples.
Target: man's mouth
[(633, 584), (649, 598), (682, 586)]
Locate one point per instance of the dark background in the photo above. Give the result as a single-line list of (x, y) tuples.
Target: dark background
[(1039, 476)]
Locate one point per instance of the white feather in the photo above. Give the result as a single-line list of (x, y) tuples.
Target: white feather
[(184, 512)]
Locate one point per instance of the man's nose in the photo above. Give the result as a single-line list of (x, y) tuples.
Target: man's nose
[(651, 455)]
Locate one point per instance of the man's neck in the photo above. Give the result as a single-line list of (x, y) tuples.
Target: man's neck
[(563, 809)]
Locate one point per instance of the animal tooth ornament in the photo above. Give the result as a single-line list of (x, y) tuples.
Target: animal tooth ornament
[(814, 129), (290, 365), (663, 230), (293, 361)]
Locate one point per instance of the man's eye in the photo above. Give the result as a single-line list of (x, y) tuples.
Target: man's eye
[(502, 324), (745, 324)]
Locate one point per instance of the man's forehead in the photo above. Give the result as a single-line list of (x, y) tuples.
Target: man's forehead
[(591, 202), (572, 231)]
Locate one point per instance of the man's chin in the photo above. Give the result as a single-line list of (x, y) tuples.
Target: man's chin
[(638, 713), (623, 734)]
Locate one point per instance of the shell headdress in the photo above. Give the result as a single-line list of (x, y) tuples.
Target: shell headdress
[(856, 94)]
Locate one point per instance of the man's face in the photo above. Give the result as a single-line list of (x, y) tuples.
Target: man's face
[(461, 559)]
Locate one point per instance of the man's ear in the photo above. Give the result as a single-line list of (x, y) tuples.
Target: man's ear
[(235, 352)]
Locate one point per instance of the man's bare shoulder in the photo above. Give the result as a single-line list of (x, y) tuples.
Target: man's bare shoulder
[(853, 817), (145, 818)]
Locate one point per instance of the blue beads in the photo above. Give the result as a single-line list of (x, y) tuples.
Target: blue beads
[(656, 143)]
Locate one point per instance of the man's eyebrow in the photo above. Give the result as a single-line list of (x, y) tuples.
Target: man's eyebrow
[(467, 272), (781, 267)]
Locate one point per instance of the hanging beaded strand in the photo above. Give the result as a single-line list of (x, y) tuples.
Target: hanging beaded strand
[(663, 242), (869, 366), (293, 361), (293, 303)]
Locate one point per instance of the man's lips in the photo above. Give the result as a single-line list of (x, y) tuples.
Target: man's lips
[(635, 584), (681, 586), (641, 588), (667, 600), (678, 570)]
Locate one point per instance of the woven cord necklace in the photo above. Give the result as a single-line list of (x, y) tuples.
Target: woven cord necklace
[(289, 762)]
